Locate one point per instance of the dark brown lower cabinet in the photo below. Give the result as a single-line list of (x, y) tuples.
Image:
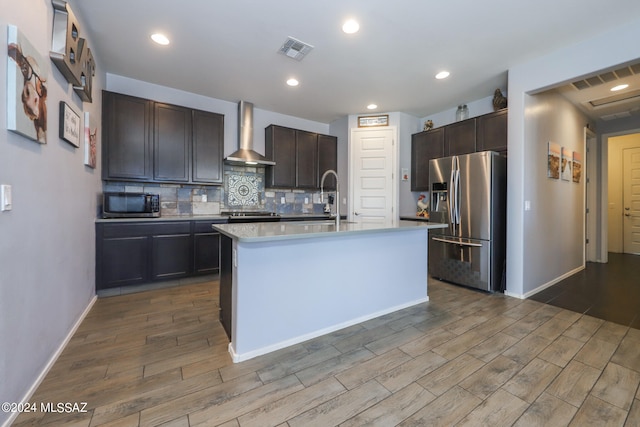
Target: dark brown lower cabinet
[(127, 261), (206, 248), (135, 253), (171, 257), (226, 282)]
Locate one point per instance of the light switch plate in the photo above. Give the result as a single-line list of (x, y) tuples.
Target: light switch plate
[(5, 197)]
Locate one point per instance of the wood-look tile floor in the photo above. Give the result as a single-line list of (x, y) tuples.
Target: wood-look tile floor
[(159, 358)]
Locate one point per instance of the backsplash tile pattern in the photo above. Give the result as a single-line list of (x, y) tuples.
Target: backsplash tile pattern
[(243, 189)]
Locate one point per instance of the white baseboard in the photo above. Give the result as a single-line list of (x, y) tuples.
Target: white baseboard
[(296, 340), (545, 285), (52, 361)]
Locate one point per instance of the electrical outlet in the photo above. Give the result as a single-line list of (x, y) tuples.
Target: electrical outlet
[(282, 201), (306, 200), (204, 197)]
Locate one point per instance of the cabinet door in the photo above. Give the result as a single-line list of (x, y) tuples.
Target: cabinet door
[(122, 261), (208, 144), (206, 253), (280, 146), (172, 140), (424, 147), (460, 138), (327, 159), (170, 256), (127, 130), (492, 131), (306, 159)]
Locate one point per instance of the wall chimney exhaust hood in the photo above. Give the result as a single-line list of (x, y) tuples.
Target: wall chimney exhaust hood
[(245, 155)]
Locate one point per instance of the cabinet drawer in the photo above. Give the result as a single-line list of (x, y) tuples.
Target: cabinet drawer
[(145, 229)]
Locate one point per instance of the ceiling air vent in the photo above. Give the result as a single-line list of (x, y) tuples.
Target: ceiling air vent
[(295, 49)]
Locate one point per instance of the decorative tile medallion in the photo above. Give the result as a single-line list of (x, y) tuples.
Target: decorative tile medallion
[(243, 190)]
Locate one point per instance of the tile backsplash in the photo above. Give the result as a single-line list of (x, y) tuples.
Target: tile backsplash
[(243, 189)]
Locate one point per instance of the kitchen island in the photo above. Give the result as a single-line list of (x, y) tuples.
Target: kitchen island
[(284, 283)]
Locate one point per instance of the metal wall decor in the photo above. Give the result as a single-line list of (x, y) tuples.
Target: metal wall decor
[(70, 52)]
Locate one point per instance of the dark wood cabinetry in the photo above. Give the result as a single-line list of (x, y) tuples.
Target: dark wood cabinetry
[(492, 132), (171, 143), (327, 159), (306, 159), (156, 142), (280, 146), (135, 253), (207, 147), (460, 138), (206, 248), (424, 147), (127, 136), (486, 132), (301, 157)]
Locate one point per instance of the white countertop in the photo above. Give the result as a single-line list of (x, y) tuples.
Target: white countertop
[(271, 231)]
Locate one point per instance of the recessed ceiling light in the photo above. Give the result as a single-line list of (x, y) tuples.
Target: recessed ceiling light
[(619, 87), (442, 75), (351, 26), (160, 39), (293, 82), (372, 106)]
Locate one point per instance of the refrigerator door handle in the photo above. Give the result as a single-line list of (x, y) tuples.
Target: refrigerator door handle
[(456, 242), (452, 198)]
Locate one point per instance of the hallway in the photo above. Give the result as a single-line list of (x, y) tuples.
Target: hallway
[(608, 291)]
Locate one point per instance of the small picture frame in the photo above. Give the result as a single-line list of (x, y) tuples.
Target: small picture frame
[(373, 121), (69, 125)]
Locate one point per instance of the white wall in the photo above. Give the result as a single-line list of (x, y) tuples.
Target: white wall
[(607, 50), (47, 242), (555, 223)]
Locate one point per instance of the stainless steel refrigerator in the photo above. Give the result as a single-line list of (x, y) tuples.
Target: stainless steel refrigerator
[(468, 193)]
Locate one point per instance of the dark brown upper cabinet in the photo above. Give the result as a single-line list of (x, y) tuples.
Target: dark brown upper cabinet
[(301, 157), (127, 135), (460, 138), (492, 132), (424, 147), (157, 142), (482, 133)]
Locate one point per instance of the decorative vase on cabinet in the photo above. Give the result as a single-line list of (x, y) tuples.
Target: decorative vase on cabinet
[(462, 113)]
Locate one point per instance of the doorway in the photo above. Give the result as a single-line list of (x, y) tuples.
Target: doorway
[(372, 188), (623, 199)]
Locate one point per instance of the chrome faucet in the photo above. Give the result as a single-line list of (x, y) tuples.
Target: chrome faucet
[(337, 198)]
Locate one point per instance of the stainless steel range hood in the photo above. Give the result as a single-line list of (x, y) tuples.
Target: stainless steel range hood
[(245, 155)]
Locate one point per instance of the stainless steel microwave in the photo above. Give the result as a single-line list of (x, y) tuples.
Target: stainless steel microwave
[(130, 205)]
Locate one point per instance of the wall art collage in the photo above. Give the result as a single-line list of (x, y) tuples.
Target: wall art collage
[(28, 78), (563, 163)]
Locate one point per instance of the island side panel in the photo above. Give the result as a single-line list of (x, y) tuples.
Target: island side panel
[(289, 291)]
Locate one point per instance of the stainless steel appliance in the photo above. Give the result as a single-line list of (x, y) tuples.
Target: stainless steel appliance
[(468, 193), (130, 205), (251, 216)]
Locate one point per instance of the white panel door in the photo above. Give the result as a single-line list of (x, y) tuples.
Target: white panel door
[(372, 175), (631, 200)]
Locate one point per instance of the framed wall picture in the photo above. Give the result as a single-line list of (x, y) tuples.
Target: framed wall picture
[(90, 139), (26, 88), (577, 166), (565, 164), (373, 121), (553, 160), (69, 125)]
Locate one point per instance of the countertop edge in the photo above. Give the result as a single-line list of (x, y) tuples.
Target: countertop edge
[(329, 233)]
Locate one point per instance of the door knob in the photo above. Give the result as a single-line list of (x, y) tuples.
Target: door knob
[(627, 214), (356, 213)]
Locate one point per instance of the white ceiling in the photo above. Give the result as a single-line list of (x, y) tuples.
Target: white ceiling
[(229, 49)]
